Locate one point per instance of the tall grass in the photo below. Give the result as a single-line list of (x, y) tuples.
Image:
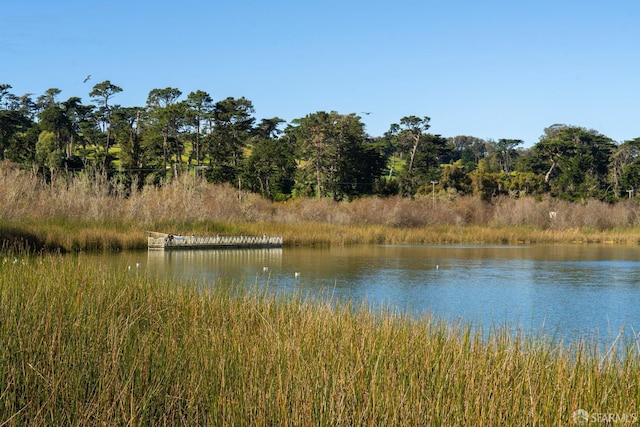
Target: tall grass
[(91, 212), (85, 345)]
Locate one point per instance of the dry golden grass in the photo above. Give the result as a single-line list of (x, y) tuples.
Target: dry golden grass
[(88, 212)]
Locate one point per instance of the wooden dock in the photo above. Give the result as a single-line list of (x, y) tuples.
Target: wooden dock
[(163, 241)]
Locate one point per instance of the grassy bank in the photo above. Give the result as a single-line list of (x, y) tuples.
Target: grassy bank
[(85, 345), (75, 236), (89, 213)]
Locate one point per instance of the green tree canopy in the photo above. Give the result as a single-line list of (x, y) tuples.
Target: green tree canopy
[(165, 118), (270, 169), (576, 161), (233, 122), (406, 138), (335, 159), (14, 124)]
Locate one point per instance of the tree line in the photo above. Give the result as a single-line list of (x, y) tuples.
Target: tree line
[(324, 154)]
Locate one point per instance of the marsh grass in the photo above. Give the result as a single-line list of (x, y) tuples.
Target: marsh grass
[(76, 236), (89, 212), (87, 345)]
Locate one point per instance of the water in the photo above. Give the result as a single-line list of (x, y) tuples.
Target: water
[(566, 292)]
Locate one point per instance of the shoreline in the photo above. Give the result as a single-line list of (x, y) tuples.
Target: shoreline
[(56, 235)]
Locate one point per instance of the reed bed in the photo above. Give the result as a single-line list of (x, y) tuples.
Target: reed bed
[(90, 212), (62, 236), (82, 344)]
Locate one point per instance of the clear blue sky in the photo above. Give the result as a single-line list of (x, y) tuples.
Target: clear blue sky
[(490, 69)]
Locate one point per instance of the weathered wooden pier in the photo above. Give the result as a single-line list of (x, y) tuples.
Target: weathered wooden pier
[(163, 241)]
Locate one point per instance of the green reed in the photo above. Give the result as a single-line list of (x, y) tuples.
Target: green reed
[(83, 344), (54, 234)]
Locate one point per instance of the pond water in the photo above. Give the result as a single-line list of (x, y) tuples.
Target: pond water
[(563, 291)]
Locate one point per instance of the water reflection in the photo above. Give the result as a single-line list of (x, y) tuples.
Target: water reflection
[(570, 291), (208, 266)]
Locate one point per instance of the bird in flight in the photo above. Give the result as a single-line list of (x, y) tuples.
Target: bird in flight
[(366, 112), (86, 78)]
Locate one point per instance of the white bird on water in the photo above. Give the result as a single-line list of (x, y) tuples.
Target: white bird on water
[(296, 274)]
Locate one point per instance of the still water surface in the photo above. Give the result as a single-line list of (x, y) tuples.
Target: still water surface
[(563, 291)]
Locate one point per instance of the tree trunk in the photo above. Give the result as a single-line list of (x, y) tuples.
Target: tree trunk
[(413, 152), (547, 176)]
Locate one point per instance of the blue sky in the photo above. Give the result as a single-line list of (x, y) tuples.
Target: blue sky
[(491, 69)]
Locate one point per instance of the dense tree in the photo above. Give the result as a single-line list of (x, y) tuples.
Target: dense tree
[(48, 155), (407, 137), (455, 178), (368, 162), (126, 128), (48, 99), (433, 151), (199, 109), (233, 121), (91, 136), (576, 161), (27, 106), (270, 169), (8, 100), (625, 167), (55, 120), (485, 184), (17, 136), (335, 158), (410, 133), (322, 154), (13, 124), (165, 117), (102, 94), (18, 131), (268, 128), (313, 141), (470, 150), (76, 113), (506, 153)]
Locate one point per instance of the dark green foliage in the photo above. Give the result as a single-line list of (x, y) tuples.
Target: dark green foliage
[(270, 168), (624, 168), (336, 159), (576, 162), (232, 121), (324, 154), (406, 139), (432, 152), (369, 163), (166, 116), (14, 127), (454, 176)]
